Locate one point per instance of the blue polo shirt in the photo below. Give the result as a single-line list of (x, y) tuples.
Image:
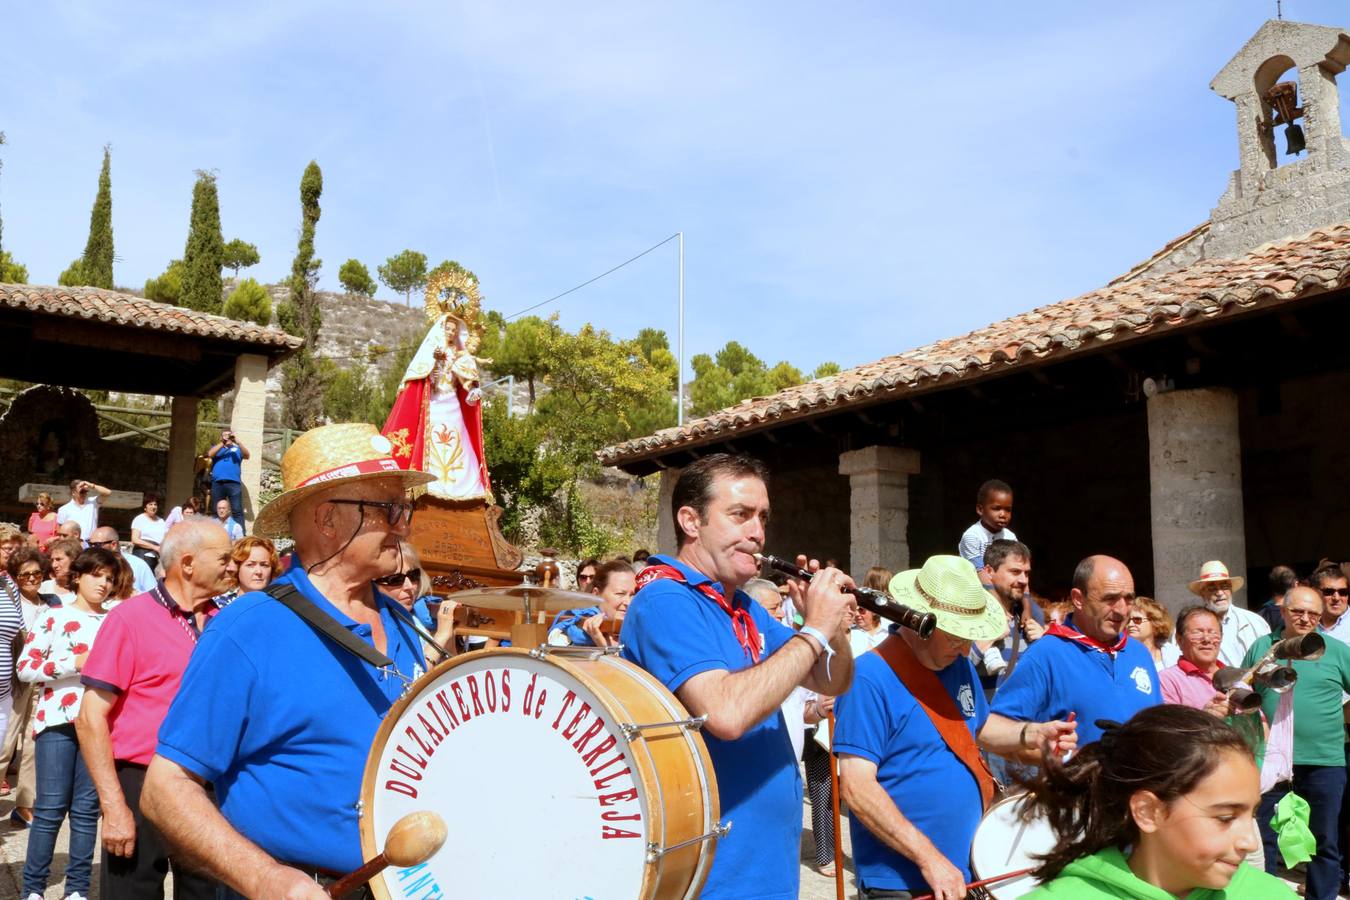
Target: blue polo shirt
[(225, 464), (569, 623), (281, 720), (1056, 676), (675, 632), (879, 720)]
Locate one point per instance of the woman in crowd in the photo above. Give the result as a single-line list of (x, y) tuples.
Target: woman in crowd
[(410, 587), (613, 586), (187, 508), (147, 532), (1150, 625), (1159, 807), (869, 630), (53, 655), (253, 565), (28, 567), (42, 522), (61, 553)]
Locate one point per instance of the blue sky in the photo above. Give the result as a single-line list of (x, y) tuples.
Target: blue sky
[(853, 179)]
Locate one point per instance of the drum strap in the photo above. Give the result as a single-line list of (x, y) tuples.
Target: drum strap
[(290, 597), (923, 684)]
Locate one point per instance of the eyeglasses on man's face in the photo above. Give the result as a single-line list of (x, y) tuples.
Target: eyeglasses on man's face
[(1336, 591), (396, 511), (1302, 613), (109, 544)]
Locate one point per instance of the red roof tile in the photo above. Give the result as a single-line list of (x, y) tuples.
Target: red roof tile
[(98, 305), (1136, 304)]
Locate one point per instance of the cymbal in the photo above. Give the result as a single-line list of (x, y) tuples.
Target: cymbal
[(513, 599)]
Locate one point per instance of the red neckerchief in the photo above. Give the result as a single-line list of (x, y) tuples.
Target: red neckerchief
[(747, 635), (1082, 640), (1191, 668)]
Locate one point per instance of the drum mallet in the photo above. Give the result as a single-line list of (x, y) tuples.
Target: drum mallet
[(414, 839), (1007, 876)]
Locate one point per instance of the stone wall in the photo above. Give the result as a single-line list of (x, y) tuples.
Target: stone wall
[(50, 435)]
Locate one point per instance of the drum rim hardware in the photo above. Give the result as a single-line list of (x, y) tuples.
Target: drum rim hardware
[(655, 851), (633, 730)]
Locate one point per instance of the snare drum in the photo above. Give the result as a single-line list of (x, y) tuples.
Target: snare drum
[(1005, 843), (560, 772)]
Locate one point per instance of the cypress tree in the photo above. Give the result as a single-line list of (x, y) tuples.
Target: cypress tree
[(96, 266), (203, 286), (303, 376)]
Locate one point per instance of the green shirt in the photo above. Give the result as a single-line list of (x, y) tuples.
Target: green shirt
[(1106, 874), (1319, 729)]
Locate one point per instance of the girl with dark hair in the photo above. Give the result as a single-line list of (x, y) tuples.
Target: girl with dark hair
[(52, 658), (1161, 806)]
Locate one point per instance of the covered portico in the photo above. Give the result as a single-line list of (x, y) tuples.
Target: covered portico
[(105, 340)]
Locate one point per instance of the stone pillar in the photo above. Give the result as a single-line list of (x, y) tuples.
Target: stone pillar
[(1195, 489), (665, 525), (878, 479), (247, 419), (182, 452)]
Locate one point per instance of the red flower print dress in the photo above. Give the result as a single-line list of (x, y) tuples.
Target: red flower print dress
[(57, 637)]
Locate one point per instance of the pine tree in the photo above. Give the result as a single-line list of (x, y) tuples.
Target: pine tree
[(249, 303), (303, 378), (355, 278), (205, 250), (96, 266)]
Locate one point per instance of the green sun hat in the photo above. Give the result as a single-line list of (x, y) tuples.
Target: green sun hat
[(948, 587)]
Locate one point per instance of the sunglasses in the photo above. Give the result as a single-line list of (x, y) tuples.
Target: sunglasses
[(413, 575), (397, 511), (103, 543), (1336, 592), (1137, 620), (28, 576)]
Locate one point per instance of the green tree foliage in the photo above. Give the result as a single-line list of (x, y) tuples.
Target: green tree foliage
[(355, 278), (303, 377), (526, 471), (204, 253), (10, 271), (96, 266), (450, 267), (73, 276), (356, 395), (655, 348), (168, 287), (825, 370), (494, 329), (238, 255), (249, 302), (735, 374), (523, 351), (405, 273)]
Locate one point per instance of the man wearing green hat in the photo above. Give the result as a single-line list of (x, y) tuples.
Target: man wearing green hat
[(906, 734)]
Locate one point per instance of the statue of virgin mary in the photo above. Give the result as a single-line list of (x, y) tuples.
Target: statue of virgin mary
[(436, 424)]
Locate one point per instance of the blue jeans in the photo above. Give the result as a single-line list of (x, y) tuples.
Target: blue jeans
[(232, 491), (63, 785), (1322, 787)]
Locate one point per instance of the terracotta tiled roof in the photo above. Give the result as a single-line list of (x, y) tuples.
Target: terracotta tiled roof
[(98, 305), (1130, 307)]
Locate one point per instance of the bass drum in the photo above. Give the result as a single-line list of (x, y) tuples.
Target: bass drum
[(1004, 844), (559, 773)]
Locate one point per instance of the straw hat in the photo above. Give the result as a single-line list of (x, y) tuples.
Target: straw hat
[(1215, 572), (948, 587), (329, 455)]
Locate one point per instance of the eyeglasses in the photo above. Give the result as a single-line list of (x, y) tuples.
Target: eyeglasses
[(1302, 613), (1199, 636), (413, 575), (397, 511), (1336, 592), (1137, 620), (586, 576), (29, 576), (112, 543)]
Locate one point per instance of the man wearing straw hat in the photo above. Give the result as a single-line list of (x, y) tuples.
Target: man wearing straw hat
[(906, 734), (1241, 627), (279, 706)]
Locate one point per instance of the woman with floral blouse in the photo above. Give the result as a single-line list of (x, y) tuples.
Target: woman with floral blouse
[(52, 657)]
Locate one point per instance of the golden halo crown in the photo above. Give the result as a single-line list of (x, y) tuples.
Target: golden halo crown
[(455, 293)]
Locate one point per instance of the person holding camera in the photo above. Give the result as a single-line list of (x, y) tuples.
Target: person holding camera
[(226, 457)]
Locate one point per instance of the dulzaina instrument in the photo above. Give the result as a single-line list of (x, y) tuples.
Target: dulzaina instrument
[(1237, 682), (560, 772), (877, 602)]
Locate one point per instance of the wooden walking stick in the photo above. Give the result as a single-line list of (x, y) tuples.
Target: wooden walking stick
[(834, 798)]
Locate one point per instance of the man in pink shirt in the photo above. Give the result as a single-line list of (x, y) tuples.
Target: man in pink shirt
[(130, 678), (1191, 681)]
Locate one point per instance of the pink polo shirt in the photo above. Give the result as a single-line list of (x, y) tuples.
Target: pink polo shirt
[(141, 652), (1183, 683)]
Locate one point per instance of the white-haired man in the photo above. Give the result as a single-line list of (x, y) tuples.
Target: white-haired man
[(130, 678), (275, 714)]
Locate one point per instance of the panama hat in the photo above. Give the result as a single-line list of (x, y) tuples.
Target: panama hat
[(948, 587), (1215, 572), (329, 455)]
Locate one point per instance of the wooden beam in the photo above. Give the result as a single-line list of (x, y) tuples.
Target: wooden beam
[(107, 337)]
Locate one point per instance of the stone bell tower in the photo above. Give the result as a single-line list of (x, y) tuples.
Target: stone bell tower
[(1266, 201)]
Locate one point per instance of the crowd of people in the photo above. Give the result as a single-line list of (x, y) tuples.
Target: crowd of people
[(1157, 770)]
